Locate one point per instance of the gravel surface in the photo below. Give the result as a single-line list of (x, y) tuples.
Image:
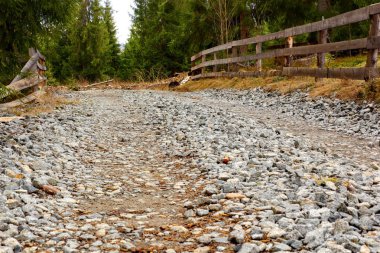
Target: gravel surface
[(212, 171)]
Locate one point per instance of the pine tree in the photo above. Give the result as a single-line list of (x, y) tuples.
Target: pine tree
[(21, 23), (90, 40), (113, 54)]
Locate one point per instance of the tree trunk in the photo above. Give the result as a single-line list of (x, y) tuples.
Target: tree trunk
[(244, 33), (324, 5)]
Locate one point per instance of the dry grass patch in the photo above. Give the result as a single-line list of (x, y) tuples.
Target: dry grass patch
[(342, 89), (355, 90), (44, 104), (222, 83), (337, 88), (286, 85)]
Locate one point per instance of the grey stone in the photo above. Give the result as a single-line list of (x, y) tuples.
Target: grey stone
[(202, 212), (276, 233), (285, 222), (296, 244), (38, 182), (29, 188), (210, 190), (127, 246), (4, 249), (321, 197), (249, 248), (224, 176), (26, 235), (281, 247), (13, 203), (69, 250), (220, 240), (237, 236), (87, 237), (314, 238), (204, 239), (215, 207), (341, 226), (366, 223), (189, 213), (13, 244)]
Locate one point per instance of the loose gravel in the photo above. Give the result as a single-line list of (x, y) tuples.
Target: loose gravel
[(212, 171)]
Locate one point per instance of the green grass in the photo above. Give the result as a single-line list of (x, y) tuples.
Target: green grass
[(346, 62)]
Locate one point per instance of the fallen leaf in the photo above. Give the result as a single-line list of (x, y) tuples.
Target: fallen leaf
[(50, 189), (19, 176), (226, 160)]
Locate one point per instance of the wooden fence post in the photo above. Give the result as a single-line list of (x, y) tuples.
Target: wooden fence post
[(372, 53), (321, 57), (289, 44), (215, 69), (203, 68), (192, 66), (259, 63), (235, 53), (32, 51)]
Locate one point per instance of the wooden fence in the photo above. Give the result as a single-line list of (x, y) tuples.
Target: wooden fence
[(31, 79), (201, 62)]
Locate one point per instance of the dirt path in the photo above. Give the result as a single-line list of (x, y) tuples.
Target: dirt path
[(137, 191), (142, 171), (130, 182)]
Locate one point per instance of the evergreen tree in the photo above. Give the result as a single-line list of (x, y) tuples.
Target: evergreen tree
[(113, 53), (21, 22), (79, 36), (157, 45), (89, 42)]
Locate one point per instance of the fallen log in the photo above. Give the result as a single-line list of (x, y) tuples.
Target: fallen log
[(105, 82), (30, 66), (24, 83)]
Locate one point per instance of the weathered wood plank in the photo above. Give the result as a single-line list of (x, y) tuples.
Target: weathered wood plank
[(215, 68), (203, 61), (289, 44), (373, 53), (31, 65), (328, 47), (339, 73), (32, 51), (340, 20), (259, 63), (41, 67), (197, 56), (374, 9), (24, 83), (373, 43), (302, 50), (196, 77), (238, 74), (321, 57), (322, 38), (41, 56), (235, 54)]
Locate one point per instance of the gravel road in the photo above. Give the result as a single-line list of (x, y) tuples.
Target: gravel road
[(211, 171)]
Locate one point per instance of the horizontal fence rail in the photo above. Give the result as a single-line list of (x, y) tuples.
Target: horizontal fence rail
[(201, 63)]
